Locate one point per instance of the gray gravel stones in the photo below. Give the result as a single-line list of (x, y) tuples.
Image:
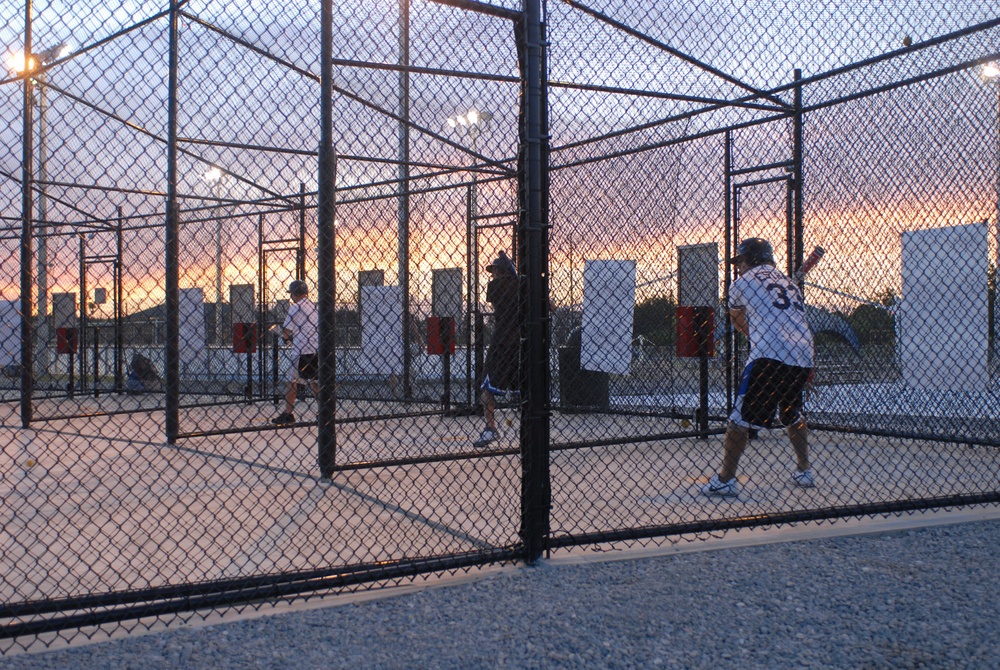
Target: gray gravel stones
[(920, 598)]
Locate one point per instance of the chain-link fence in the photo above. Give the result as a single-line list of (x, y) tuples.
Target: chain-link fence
[(304, 297)]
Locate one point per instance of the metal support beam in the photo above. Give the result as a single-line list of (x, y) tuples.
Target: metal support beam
[(172, 239), (533, 269), (326, 429), (403, 213), (27, 262), (797, 208)]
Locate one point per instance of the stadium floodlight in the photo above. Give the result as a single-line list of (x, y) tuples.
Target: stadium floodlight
[(471, 124)]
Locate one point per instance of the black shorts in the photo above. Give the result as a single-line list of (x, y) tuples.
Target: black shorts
[(308, 366), (768, 386)]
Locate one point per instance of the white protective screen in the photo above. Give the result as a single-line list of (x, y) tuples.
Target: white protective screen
[(241, 303), (943, 316), (191, 319), (698, 275), (608, 308), (382, 329), (10, 333), (64, 310)]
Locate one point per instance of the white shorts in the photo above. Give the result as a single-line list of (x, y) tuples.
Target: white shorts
[(305, 369)]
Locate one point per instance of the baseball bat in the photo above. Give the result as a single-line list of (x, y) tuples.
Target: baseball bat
[(808, 264)]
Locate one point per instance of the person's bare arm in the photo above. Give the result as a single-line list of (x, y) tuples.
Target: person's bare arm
[(739, 318)]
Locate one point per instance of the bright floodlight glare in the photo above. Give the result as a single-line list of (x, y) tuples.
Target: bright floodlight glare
[(473, 116), (991, 71), (213, 175), (452, 122), (15, 61), (462, 120)]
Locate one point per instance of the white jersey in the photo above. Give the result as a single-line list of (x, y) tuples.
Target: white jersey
[(303, 322), (776, 316)]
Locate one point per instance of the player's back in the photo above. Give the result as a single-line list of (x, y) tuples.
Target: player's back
[(775, 315)]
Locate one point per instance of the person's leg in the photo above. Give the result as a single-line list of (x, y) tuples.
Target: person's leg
[(791, 417), (751, 402), (489, 409), (733, 446), (798, 435), (290, 396)]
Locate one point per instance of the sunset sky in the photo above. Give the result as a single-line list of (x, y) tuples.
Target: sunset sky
[(918, 157)]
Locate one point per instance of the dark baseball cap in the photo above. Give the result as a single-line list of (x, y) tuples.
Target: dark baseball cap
[(502, 263), (298, 287)]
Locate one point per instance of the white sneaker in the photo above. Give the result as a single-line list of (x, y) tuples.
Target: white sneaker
[(487, 436), (716, 487), (804, 478)]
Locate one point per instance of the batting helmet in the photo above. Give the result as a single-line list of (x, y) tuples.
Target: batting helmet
[(755, 251)]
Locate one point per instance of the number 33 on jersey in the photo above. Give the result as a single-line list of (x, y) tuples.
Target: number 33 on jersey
[(775, 313)]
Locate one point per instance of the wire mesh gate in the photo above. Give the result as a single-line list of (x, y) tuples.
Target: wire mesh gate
[(654, 150)]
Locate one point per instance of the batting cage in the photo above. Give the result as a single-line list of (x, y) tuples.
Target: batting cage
[(304, 298)]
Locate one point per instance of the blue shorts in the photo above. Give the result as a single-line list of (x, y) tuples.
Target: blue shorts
[(497, 393)]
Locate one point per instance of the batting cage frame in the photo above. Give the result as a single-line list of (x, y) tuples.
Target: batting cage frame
[(575, 197)]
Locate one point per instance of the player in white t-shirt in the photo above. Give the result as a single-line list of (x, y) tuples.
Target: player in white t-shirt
[(301, 329), (767, 306)]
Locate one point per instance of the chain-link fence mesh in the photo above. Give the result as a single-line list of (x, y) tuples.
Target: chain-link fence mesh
[(166, 375)]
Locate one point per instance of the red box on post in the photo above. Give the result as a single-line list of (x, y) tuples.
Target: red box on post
[(66, 341), (244, 338), (440, 330), (695, 331)]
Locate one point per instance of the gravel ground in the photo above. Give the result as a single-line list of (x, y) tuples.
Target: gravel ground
[(916, 598)]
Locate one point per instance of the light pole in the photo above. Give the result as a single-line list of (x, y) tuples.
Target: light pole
[(990, 73), (20, 64), (403, 210), (214, 178), (471, 124)]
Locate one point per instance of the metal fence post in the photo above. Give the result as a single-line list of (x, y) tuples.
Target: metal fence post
[(27, 278), (797, 172), (727, 144), (300, 253), (172, 254), (119, 313), (327, 435), (82, 354), (533, 267), (403, 213)]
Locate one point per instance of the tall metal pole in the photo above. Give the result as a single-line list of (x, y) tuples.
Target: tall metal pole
[(261, 305), (797, 171), (993, 329), (27, 178), (474, 189), (533, 268), (727, 162), (300, 253), (404, 188), (471, 301), (119, 292), (326, 429), (41, 230), (218, 265), (84, 289), (172, 255)]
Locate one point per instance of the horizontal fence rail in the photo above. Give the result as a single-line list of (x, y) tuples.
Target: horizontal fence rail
[(305, 298)]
